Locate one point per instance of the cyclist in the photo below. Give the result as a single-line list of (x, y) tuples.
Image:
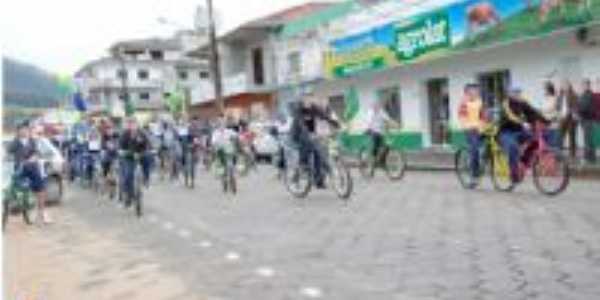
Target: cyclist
[(223, 140), (517, 119), (93, 148), (148, 157), (377, 120), (109, 150), (303, 133), (27, 165), (471, 116), (133, 145)]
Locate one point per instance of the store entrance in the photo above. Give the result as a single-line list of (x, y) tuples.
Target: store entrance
[(439, 110), (494, 88)]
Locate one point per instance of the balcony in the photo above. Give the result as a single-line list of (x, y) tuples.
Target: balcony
[(115, 83), (240, 83)]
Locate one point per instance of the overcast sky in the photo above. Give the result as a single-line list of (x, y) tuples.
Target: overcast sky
[(61, 35)]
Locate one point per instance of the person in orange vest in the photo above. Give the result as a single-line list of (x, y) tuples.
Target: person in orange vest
[(472, 121)]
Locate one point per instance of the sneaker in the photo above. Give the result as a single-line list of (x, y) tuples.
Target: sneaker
[(46, 219)]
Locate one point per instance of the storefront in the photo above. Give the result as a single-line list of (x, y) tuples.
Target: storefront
[(419, 65)]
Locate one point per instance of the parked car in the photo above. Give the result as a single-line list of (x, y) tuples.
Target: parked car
[(54, 166), (265, 144)]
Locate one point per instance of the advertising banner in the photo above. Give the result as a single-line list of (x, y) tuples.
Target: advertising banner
[(459, 27)]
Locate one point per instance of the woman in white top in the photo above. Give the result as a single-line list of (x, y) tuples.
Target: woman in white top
[(552, 111)]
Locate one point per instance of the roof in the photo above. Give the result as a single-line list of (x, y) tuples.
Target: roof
[(317, 18), (290, 14), (147, 44), (94, 63)]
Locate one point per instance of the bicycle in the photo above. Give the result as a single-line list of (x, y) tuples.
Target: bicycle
[(299, 179), (17, 196), (547, 164), (387, 158), (490, 153), (135, 192)]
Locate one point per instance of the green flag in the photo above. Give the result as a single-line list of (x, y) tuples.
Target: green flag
[(352, 104), (129, 108), (175, 101), (65, 84)]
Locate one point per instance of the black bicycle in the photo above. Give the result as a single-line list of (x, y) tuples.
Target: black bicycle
[(299, 178), (387, 158)]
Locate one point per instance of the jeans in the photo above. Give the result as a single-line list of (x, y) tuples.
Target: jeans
[(511, 140), (310, 148), (474, 141), (589, 144), (128, 173), (147, 163), (552, 137), (377, 140)]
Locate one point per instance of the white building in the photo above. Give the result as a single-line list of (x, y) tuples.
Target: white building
[(424, 94), (143, 71)]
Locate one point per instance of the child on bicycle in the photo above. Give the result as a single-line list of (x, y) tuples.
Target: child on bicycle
[(471, 116), (517, 119), (133, 145), (224, 141)]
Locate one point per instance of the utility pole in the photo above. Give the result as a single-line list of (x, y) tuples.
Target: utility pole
[(215, 61)]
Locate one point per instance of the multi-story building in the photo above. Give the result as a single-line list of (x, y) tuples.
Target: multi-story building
[(251, 56), (143, 72)]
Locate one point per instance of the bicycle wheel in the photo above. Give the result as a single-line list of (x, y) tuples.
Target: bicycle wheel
[(395, 164), (232, 181), (462, 167), (500, 169), (366, 164), (341, 180), (138, 194), (298, 181), (551, 173)]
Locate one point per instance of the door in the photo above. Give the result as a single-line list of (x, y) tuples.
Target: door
[(257, 65), (439, 111), (494, 88)]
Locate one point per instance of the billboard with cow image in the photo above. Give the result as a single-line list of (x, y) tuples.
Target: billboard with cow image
[(458, 27)]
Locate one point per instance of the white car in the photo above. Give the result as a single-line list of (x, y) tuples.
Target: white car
[(265, 144), (54, 166)]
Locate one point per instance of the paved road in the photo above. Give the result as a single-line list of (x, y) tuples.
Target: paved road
[(423, 238)]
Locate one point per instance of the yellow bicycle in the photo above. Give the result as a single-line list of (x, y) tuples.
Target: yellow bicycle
[(492, 156)]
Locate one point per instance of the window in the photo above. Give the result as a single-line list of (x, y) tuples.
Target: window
[(143, 74), (157, 55), (337, 104), (124, 96), (295, 64), (183, 75), (145, 96), (122, 74), (390, 98), (204, 75)]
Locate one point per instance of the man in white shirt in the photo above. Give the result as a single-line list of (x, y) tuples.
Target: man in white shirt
[(377, 120)]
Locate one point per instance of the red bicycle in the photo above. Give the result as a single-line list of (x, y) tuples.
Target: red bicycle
[(549, 167)]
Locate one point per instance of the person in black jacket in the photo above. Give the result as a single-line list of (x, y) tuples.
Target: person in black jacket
[(517, 119), (303, 132), (133, 145)]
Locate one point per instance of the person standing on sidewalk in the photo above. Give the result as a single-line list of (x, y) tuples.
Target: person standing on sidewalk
[(586, 111), (551, 111), (568, 103), (471, 118)]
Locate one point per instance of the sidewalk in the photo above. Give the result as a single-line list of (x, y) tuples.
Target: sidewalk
[(70, 260)]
